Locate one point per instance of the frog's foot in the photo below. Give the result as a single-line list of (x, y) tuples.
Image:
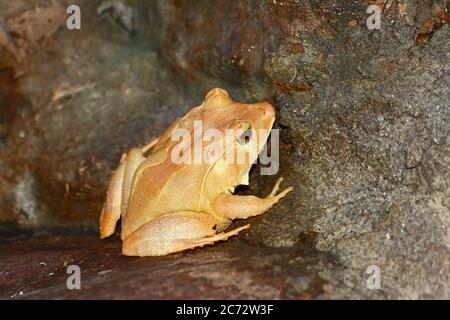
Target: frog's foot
[(119, 189), (174, 232), (112, 207), (276, 187), (241, 207)]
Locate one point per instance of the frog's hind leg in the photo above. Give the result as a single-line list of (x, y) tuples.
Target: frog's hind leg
[(241, 207), (119, 189), (111, 209), (133, 160), (174, 232)]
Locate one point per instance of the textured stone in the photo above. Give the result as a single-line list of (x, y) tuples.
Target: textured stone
[(364, 118), (36, 269)]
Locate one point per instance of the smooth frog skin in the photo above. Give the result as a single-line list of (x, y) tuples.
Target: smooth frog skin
[(168, 206)]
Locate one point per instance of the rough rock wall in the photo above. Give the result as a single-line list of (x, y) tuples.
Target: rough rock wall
[(364, 118)]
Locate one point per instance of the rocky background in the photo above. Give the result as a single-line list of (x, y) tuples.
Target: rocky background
[(364, 118)]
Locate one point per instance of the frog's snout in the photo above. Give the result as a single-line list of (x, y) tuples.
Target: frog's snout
[(269, 110)]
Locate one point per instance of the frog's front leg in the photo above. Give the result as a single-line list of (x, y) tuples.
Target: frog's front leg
[(241, 207), (174, 232)]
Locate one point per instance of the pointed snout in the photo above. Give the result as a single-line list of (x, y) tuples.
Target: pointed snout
[(265, 116)]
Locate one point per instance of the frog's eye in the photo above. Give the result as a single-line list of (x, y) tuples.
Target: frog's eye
[(245, 136)]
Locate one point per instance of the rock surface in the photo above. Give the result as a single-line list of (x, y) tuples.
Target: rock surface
[(236, 271), (364, 118)]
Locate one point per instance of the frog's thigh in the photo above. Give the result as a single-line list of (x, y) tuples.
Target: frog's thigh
[(174, 232), (119, 189), (242, 207), (133, 160)]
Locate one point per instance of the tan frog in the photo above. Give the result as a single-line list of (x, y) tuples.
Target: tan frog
[(169, 204)]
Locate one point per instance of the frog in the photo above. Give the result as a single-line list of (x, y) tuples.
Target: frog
[(168, 204)]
